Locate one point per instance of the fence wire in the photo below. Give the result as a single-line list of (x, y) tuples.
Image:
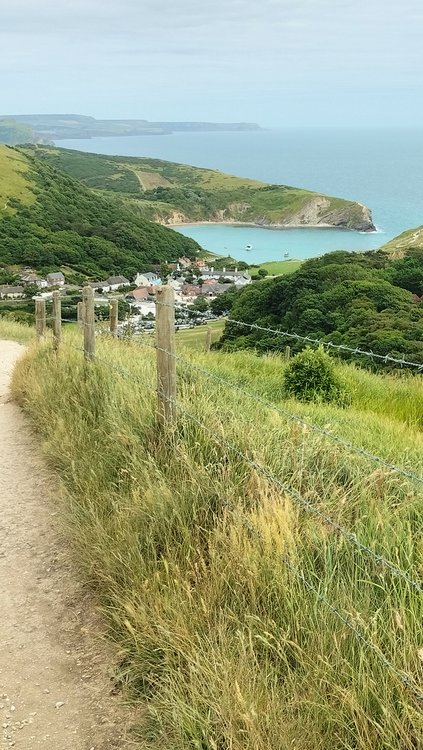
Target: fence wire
[(405, 679)]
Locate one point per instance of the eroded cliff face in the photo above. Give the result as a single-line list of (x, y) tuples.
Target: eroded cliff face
[(322, 211), (317, 211)]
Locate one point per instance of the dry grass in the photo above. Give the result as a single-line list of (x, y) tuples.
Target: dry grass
[(186, 544)]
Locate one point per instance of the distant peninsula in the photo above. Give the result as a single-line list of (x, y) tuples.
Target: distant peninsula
[(16, 129), (168, 193)]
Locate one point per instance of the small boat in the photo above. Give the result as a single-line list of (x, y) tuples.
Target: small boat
[(286, 254), (248, 247)]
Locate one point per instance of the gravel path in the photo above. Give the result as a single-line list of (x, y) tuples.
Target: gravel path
[(55, 691)]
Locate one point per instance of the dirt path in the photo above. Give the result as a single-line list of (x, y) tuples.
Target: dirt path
[(55, 690)]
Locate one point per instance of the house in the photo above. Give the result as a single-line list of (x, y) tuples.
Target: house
[(115, 282), (201, 265), (236, 277), (189, 291), (28, 277), (184, 262), (176, 284), (147, 279), (11, 292), (55, 279), (142, 294), (103, 286), (213, 290)]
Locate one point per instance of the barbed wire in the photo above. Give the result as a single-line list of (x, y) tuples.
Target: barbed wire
[(346, 620), (296, 418), (386, 358), (405, 679), (283, 486)]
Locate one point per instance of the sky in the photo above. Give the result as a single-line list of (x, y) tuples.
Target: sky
[(276, 62)]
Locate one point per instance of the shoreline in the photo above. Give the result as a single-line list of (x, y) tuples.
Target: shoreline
[(277, 227)]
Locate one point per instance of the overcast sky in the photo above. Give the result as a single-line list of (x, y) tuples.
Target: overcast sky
[(277, 62)]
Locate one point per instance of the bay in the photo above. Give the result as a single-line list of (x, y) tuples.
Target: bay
[(382, 168)]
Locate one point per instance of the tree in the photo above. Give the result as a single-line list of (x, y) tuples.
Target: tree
[(31, 290), (262, 272), (201, 304)]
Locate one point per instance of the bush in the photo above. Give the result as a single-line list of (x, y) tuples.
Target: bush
[(311, 376)]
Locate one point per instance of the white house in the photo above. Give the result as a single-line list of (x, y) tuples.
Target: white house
[(11, 292), (28, 277), (115, 282), (147, 279)]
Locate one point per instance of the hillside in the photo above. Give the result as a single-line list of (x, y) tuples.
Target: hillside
[(411, 238), (176, 193), (226, 560), (13, 132), (50, 220), (355, 299)]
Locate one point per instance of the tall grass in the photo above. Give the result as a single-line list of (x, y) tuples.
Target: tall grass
[(192, 551), (10, 329)]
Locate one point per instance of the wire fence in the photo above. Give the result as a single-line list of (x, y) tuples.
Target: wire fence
[(167, 360)]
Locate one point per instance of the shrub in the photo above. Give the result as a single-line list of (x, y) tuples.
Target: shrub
[(311, 376)]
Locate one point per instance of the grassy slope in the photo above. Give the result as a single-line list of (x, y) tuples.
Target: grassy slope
[(279, 267), (239, 199), (50, 220), (228, 648), (411, 238), (14, 179)]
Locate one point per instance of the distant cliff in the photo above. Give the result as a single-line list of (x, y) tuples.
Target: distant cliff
[(54, 127), (170, 193)]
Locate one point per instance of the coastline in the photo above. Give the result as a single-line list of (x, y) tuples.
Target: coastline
[(277, 227)]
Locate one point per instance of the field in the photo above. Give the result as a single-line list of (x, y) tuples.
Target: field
[(279, 267), (195, 338), (234, 606)]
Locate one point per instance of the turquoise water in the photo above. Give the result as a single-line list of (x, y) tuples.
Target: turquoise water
[(381, 168)]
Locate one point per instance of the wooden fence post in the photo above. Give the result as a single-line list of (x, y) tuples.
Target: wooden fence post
[(89, 322), (166, 355), (287, 353), (114, 312), (57, 320), (80, 313), (208, 339), (40, 318)]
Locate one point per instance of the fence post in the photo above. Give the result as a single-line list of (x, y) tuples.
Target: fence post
[(166, 359), (287, 352), (114, 311), (57, 320), (80, 313), (89, 322), (40, 318), (208, 339)]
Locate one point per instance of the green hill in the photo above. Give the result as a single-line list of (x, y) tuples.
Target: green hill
[(412, 238), (365, 300), (176, 193), (13, 132), (50, 220)]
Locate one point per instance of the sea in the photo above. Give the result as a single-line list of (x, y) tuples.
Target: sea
[(382, 168)]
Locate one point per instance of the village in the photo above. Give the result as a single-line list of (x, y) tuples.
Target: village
[(195, 283)]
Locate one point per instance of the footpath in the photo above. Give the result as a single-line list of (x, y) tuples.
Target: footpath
[(55, 686)]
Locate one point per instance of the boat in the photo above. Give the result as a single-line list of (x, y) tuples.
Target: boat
[(286, 254), (248, 247)]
